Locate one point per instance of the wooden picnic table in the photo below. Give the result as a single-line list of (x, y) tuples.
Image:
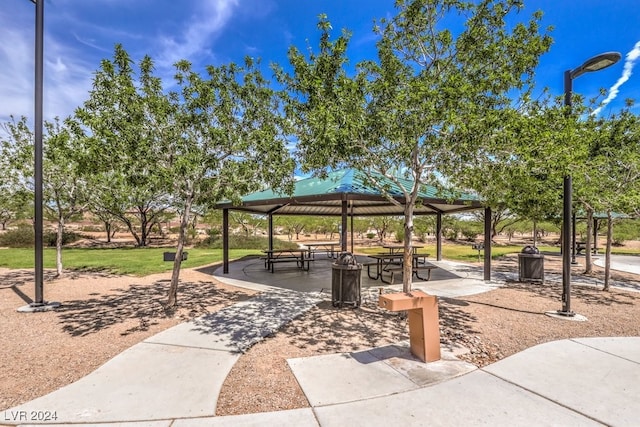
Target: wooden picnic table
[(275, 256)]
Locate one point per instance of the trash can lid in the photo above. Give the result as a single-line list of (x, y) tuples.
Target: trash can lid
[(529, 249), (346, 258)]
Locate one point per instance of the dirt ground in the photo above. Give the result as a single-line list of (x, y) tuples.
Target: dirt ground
[(102, 315)]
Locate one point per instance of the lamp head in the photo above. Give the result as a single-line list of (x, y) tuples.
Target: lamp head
[(596, 63)]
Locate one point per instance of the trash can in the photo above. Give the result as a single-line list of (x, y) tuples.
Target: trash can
[(346, 280), (531, 265), (171, 256)]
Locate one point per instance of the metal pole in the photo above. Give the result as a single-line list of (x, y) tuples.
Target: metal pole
[(439, 236), (487, 244), (595, 63), (225, 241), (38, 215), (566, 216), (566, 242), (343, 225), (573, 238), (38, 304)]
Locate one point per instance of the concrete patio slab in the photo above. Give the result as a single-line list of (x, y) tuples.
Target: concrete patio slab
[(345, 377), (146, 382), (625, 347), (238, 327), (474, 399), (586, 376), (292, 418)]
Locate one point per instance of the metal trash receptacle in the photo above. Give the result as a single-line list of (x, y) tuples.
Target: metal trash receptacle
[(171, 256), (346, 280), (531, 265)]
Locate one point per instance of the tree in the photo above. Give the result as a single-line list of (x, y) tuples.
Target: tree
[(382, 225), (610, 180), (500, 219), (15, 198), (64, 190), (228, 139), (424, 106), (125, 125)]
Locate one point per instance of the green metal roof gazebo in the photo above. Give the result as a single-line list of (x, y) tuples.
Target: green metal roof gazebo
[(325, 196), (351, 193)]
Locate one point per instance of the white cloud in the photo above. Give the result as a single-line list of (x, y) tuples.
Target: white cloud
[(207, 21), (67, 76), (630, 61)]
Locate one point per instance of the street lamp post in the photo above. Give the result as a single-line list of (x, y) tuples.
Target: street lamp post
[(595, 63), (39, 304)]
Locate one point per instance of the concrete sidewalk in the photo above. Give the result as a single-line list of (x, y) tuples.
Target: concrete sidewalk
[(174, 378)]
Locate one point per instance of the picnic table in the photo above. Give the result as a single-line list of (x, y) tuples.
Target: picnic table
[(399, 248), (391, 263), (275, 256), (329, 246)]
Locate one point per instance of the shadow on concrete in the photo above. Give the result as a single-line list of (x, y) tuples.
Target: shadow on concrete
[(247, 322)]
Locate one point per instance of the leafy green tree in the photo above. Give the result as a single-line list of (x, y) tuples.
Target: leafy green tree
[(423, 226), (64, 189), (126, 128), (16, 199), (424, 106), (610, 179), (382, 225), (227, 138)]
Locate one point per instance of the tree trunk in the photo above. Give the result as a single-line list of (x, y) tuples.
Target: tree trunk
[(407, 264), (588, 261), (59, 237), (535, 233), (607, 262), (107, 228), (172, 300)]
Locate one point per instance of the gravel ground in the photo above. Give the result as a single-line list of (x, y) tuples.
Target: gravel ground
[(102, 315)]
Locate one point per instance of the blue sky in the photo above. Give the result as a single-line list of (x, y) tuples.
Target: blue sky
[(79, 33)]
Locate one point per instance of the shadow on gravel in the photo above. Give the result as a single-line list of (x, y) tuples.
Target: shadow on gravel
[(144, 303), (587, 294), (337, 330)]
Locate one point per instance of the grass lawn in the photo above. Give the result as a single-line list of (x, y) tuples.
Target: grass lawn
[(134, 261), (144, 261)]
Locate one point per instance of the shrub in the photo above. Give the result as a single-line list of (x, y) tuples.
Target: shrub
[(244, 242), (49, 238), (22, 237)]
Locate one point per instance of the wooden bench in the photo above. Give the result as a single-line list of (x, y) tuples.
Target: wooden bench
[(414, 269)]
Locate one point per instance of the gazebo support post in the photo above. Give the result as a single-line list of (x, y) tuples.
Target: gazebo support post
[(352, 228), (439, 236), (270, 230), (225, 241), (487, 244), (343, 231)]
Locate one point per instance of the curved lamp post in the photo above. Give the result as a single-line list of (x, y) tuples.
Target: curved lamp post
[(595, 63)]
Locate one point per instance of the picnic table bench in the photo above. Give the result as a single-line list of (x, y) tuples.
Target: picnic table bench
[(276, 256), (582, 246), (393, 263), (330, 248)]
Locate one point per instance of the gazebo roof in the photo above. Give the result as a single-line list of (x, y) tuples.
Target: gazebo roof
[(325, 196)]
